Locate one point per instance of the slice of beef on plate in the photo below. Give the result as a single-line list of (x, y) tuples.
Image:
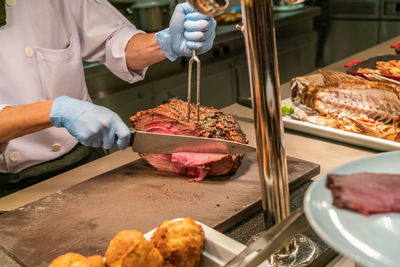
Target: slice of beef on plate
[(366, 192)]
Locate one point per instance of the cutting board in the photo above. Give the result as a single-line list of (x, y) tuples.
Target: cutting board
[(85, 217)]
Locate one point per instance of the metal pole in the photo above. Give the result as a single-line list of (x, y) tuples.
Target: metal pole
[(259, 33), (262, 60)]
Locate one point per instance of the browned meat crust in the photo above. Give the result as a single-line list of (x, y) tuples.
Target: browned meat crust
[(213, 123)]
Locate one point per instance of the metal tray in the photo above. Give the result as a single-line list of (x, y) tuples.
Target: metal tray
[(370, 63), (218, 248)]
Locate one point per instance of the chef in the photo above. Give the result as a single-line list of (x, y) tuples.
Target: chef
[(47, 121)]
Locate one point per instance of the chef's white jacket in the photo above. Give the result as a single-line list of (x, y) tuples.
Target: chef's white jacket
[(41, 51)]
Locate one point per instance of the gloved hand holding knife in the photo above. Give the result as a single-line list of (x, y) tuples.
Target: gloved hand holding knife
[(97, 126), (90, 124)]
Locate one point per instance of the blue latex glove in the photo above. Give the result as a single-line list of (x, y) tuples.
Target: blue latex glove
[(188, 30), (90, 124)]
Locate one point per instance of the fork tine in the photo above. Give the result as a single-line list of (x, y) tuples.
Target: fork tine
[(193, 59), (198, 85), (189, 93)]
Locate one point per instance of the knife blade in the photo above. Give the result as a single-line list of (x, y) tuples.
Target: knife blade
[(271, 240), (147, 142)]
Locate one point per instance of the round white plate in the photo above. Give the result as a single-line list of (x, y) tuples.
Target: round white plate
[(369, 240)]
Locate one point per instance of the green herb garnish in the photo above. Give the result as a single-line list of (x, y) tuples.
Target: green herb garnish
[(287, 108)]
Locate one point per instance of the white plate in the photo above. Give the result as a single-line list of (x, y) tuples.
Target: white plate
[(339, 135), (369, 240), (218, 248)]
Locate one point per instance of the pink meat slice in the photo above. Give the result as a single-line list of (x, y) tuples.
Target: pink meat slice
[(195, 164), (191, 164), (365, 192)]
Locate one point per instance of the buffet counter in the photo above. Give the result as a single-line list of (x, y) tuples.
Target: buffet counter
[(298, 145), (329, 154)]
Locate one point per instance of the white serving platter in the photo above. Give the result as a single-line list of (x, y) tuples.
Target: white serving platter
[(339, 135), (218, 248)]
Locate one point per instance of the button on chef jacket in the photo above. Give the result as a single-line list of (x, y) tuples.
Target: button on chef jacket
[(41, 51)]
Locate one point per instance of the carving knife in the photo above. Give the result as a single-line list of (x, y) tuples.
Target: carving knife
[(147, 142)]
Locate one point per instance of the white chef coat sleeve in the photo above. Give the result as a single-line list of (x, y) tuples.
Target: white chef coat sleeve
[(104, 33), (3, 146), (2, 106)]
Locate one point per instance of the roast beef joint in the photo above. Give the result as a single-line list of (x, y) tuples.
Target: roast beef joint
[(171, 118)]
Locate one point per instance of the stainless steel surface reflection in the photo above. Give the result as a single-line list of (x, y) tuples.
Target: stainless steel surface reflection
[(272, 240), (150, 16)]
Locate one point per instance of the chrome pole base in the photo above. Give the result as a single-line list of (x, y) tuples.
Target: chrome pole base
[(303, 254)]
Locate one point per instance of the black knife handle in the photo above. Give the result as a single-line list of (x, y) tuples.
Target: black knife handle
[(133, 131)]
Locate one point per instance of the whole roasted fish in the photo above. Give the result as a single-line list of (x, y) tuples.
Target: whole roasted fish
[(346, 102), (342, 95)]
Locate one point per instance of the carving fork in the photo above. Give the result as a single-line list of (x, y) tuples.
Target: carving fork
[(193, 59)]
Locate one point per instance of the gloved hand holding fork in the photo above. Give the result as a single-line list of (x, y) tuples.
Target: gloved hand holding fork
[(97, 126)]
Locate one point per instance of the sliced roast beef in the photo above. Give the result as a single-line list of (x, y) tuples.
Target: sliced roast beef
[(366, 192), (171, 118)]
